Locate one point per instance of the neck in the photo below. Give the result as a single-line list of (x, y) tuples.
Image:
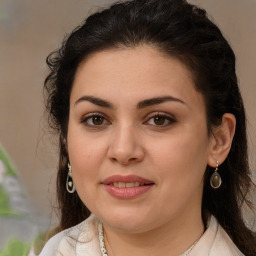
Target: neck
[(171, 239)]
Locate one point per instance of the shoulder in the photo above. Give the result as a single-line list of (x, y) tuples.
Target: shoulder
[(75, 240), (51, 247), (224, 245), (215, 242)]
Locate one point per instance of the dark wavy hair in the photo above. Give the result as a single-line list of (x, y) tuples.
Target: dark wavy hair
[(177, 29)]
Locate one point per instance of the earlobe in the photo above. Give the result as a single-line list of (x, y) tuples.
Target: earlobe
[(64, 143), (222, 140)]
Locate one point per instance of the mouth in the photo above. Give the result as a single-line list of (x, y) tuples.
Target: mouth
[(128, 181), (127, 184), (127, 187)]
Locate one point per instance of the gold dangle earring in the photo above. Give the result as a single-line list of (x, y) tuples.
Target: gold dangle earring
[(215, 179), (69, 183)]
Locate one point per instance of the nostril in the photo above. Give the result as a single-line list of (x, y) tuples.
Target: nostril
[(125, 154), (113, 159), (125, 161)]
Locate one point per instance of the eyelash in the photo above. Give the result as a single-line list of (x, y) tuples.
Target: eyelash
[(170, 120), (167, 118), (86, 118)]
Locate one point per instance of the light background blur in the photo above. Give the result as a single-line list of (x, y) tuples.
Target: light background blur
[(30, 29)]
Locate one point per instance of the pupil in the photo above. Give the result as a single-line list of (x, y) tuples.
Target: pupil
[(97, 120), (159, 120)]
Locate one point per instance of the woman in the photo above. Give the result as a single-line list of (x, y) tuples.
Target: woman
[(153, 151)]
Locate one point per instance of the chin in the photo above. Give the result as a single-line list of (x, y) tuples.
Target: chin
[(126, 220)]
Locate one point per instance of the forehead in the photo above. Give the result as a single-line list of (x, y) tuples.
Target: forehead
[(138, 72)]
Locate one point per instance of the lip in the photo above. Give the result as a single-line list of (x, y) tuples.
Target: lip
[(127, 192), (126, 179)]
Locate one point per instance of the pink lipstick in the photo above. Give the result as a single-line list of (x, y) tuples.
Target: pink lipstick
[(127, 187)]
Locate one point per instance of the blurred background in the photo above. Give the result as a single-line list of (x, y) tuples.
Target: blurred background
[(30, 30)]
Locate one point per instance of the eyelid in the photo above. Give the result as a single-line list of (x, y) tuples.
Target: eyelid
[(84, 118), (170, 117)]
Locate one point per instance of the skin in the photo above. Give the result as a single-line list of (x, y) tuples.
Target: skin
[(127, 140)]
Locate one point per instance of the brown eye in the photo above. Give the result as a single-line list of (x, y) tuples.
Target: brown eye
[(94, 121), (159, 120), (97, 120)]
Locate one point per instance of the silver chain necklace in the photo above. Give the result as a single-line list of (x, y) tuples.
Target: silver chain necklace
[(104, 251)]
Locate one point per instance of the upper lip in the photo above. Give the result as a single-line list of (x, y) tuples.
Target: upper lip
[(126, 179)]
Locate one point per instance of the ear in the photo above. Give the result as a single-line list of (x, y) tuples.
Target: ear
[(64, 142), (221, 140)]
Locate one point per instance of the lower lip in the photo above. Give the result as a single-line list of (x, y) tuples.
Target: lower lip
[(127, 193)]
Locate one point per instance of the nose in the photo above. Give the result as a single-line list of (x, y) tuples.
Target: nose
[(125, 147)]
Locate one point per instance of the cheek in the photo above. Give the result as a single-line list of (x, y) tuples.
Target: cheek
[(181, 167), (86, 155), (86, 159), (182, 160)]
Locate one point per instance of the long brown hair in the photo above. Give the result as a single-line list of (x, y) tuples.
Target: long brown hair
[(177, 29)]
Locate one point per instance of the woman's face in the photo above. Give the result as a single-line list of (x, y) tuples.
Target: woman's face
[(137, 139)]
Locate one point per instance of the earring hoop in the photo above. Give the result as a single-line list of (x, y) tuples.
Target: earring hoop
[(215, 180), (69, 183)]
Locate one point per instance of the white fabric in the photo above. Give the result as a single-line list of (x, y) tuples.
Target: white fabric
[(215, 242), (82, 240)]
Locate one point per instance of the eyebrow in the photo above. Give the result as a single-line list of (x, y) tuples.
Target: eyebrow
[(140, 105), (96, 101), (157, 100)]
